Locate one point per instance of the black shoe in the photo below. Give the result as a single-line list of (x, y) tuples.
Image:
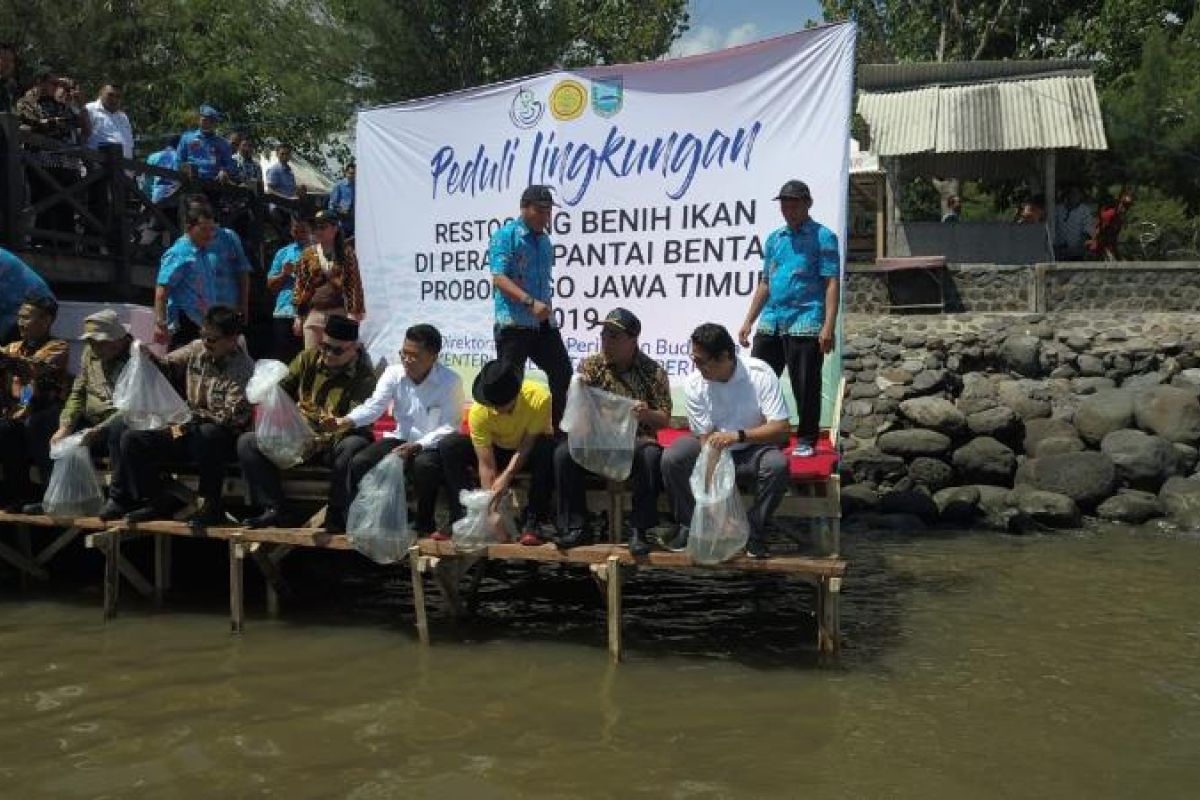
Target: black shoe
[(33, 509), (679, 541), (111, 510), (148, 513), (334, 527), (574, 537), (639, 545), (208, 518), (757, 547), (269, 518)]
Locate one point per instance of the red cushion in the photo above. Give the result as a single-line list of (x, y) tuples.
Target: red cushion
[(816, 467), (385, 424)]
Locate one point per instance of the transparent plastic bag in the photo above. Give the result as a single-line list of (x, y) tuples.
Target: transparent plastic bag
[(146, 398), (377, 525), (74, 489), (601, 430), (481, 525), (719, 526), (282, 433)]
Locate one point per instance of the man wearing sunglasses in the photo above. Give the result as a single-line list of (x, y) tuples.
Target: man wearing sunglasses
[(326, 382)]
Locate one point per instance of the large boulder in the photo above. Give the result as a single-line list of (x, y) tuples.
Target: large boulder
[(935, 413), (978, 393), (857, 499), (1001, 423), (957, 503), (932, 473), (1029, 399), (1142, 461), (1087, 478), (1090, 365), (1102, 413), (914, 442), (1131, 506), (1180, 497), (1048, 508), (1172, 413), (1020, 354), (985, 460), (1091, 385), (912, 501), (869, 464), (1052, 433)]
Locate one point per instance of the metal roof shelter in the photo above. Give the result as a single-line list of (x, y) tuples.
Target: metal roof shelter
[(980, 118)]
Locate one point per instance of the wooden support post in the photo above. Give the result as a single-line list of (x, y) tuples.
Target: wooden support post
[(25, 548), (267, 557), (613, 576), (110, 544), (828, 598), (447, 572), (12, 184), (23, 563), (162, 567), (63, 539), (415, 564), (237, 554)]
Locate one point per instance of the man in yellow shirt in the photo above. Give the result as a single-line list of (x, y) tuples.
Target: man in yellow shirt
[(510, 431)]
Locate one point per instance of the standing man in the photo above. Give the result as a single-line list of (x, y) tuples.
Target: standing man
[(737, 404), (426, 398), (231, 268), (110, 125), (202, 152), (281, 281), (341, 201), (797, 296), (1106, 239), (621, 368), (281, 181), (522, 259), (184, 287), (247, 172), (1073, 226)]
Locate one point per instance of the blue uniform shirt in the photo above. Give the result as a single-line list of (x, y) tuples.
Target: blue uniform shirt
[(187, 272), (341, 201), (795, 266), (283, 301), (527, 259), (207, 152), (281, 180), (17, 281), (229, 262), (162, 188)]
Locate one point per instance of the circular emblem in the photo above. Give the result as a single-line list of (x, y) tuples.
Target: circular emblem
[(526, 109), (567, 100)]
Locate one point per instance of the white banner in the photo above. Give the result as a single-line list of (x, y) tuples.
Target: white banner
[(664, 170)]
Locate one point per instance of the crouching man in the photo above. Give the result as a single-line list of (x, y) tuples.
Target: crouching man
[(733, 403), (426, 399), (326, 382)]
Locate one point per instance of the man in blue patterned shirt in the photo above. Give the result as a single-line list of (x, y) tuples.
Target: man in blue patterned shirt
[(183, 291), (797, 296), (522, 260)]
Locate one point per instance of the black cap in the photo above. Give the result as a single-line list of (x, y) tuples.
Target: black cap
[(797, 190), (497, 384), (343, 329), (622, 319), (537, 193), (325, 217)]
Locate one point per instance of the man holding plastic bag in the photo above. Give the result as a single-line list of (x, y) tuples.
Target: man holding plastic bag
[(510, 431), (620, 368), (214, 371), (736, 404), (426, 398), (326, 382)]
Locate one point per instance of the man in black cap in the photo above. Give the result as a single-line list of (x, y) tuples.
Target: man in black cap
[(522, 260), (621, 368), (797, 296), (510, 431), (326, 382)]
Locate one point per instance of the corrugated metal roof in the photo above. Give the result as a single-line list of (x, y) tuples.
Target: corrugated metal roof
[(1041, 114), (889, 77)]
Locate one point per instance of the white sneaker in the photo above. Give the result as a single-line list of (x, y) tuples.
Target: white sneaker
[(802, 450)]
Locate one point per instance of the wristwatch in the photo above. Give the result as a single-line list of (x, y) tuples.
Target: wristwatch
[(741, 436)]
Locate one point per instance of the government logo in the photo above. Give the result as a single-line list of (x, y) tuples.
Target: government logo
[(608, 96), (526, 110), (567, 100)]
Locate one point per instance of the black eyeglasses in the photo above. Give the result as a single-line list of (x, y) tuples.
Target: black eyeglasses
[(334, 350)]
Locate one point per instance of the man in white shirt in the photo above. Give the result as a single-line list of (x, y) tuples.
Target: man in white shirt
[(733, 403), (110, 125), (426, 398)]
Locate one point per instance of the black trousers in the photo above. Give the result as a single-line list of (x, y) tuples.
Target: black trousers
[(137, 464), (266, 486), (23, 443), (544, 347), (186, 332), (284, 344), (803, 358), (458, 458), (645, 478), (426, 472)]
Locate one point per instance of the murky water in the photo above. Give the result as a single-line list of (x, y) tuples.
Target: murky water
[(975, 666)]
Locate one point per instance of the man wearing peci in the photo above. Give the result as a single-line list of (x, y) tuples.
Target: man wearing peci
[(522, 260), (797, 296)]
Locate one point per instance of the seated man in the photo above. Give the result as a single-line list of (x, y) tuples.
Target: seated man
[(733, 403), (426, 399), (326, 383), (33, 378), (621, 368), (89, 403), (510, 430), (18, 281), (214, 371)]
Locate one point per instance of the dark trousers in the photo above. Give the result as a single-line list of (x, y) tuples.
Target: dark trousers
[(284, 344), (763, 465), (23, 443), (105, 445), (266, 486), (185, 332), (544, 347), (137, 464), (645, 478), (803, 358), (426, 472), (458, 458)]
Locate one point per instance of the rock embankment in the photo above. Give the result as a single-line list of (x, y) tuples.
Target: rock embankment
[(1020, 421)]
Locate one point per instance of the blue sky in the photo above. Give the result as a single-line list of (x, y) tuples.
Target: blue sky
[(716, 24)]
